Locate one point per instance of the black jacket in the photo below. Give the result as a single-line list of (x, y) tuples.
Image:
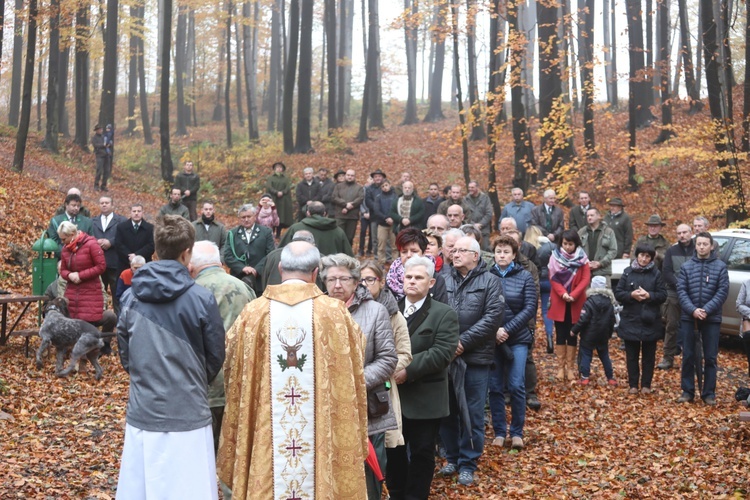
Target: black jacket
[(703, 283), (674, 258), (306, 193), (128, 241), (640, 320), (597, 319), (478, 301), (519, 292)]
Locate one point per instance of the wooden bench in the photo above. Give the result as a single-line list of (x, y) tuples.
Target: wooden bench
[(26, 334)]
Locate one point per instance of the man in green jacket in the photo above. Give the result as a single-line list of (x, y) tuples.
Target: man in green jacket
[(189, 184), (599, 242), (346, 198), (480, 212), (247, 246), (407, 210), (206, 227), (71, 213), (329, 238), (175, 206)]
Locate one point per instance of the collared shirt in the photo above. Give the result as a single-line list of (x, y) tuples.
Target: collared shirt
[(417, 305), (106, 219)]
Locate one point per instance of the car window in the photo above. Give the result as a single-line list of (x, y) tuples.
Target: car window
[(739, 258), (722, 243)]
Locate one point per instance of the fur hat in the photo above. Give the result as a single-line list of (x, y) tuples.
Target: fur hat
[(598, 282)]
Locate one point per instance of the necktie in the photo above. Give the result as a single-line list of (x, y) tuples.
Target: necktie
[(136, 226), (410, 310)]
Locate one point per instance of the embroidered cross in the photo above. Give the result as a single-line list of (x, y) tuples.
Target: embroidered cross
[(294, 496), (294, 448), (292, 396)]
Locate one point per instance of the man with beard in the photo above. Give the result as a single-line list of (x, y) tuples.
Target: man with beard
[(206, 227)]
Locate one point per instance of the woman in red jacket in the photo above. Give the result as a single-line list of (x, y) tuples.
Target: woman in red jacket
[(569, 277), (82, 264)]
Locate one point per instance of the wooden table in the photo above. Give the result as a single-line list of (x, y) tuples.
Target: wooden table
[(13, 298)]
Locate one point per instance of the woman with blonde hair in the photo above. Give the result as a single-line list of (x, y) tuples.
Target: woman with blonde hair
[(544, 248)]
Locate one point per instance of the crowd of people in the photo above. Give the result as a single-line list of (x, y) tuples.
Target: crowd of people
[(311, 368)]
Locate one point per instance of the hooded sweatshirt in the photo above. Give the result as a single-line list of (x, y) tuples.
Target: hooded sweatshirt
[(171, 341)]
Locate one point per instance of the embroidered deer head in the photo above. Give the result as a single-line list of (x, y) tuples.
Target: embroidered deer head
[(291, 350)]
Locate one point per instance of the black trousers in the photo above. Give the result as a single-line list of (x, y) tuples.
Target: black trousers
[(103, 170), (647, 352), (349, 226), (409, 475), (563, 328)]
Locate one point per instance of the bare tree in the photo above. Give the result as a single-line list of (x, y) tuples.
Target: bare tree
[(410, 41), (109, 79), (664, 67), (696, 105), (330, 35), (290, 76), (303, 143), (147, 138), (227, 106), (51, 136), (83, 34), (167, 168), (435, 112), (477, 127), (28, 87), (15, 86)]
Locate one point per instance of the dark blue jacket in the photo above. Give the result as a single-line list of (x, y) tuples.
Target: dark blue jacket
[(381, 206), (521, 301), (597, 320), (703, 283), (478, 301), (171, 341)]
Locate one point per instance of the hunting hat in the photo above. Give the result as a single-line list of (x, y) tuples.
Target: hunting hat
[(97, 127), (655, 220), (616, 201), (283, 167), (340, 172), (378, 172)]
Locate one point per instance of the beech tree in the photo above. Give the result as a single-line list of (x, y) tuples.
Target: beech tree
[(28, 87), (109, 79), (51, 136), (642, 92), (411, 13), (696, 105), (477, 127), (15, 86), (523, 153), (82, 100), (290, 76), (435, 112), (167, 168), (667, 131)]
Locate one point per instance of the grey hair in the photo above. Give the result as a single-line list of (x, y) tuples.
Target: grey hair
[(340, 260), (549, 192), (702, 219), (66, 228), (308, 169), (298, 258), (304, 236), (205, 253), (516, 189), (474, 244), (511, 220), (247, 207), (139, 260), (420, 260), (453, 232)]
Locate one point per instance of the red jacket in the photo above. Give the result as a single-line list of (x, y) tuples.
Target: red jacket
[(86, 300), (580, 283)]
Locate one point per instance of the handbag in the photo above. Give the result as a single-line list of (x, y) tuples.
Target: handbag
[(378, 402)]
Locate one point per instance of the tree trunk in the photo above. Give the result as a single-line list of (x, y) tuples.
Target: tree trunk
[(613, 51), (523, 152), (638, 72), (726, 62), (556, 146), (526, 24), (167, 169), (62, 91), (321, 96), (189, 80), (694, 98), (228, 83), (586, 48), (477, 127), (15, 87), (304, 85), (330, 32), (82, 75), (410, 41), (109, 80), (608, 75), (52, 134), (495, 99), (346, 43), (459, 98), (667, 131), (147, 137), (275, 70), (39, 76), (238, 77), (218, 113), (726, 159), (28, 87), (371, 63), (132, 70), (249, 46), (376, 94), (179, 68), (289, 77), (649, 49), (435, 112), (746, 85)]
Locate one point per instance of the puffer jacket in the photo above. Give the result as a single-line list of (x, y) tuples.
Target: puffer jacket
[(543, 254), (640, 321), (606, 247), (597, 320), (380, 351), (521, 299), (171, 341), (703, 283), (478, 301), (85, 298)]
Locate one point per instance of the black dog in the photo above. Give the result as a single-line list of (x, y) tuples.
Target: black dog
[(65, 334)]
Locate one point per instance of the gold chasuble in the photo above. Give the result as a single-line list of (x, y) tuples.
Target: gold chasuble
[(295, 421)]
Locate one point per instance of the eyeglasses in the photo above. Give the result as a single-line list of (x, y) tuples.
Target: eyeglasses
[(464, 250), (344, 280), (369, 280)]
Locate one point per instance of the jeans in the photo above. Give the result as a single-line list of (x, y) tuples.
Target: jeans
[(515, 372), (409, 473), (587, 354), (647, 352), (710, 337), (544, 290), (463, 448)]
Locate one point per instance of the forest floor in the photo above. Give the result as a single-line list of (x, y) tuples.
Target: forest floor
[(62, 438)]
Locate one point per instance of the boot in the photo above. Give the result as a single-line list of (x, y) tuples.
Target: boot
[(571, 367), (550, 345), (560, 352)]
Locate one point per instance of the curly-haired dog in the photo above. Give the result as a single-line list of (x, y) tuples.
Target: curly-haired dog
[(68, 334)]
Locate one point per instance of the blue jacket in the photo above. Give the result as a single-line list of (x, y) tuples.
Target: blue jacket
[(171, 341), (703, 283), (521, 212), (381, 206), (519, 291), (478, 301)]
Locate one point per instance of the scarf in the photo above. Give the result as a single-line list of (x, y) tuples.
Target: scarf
[(635, 266), (504, 272), (74, 242), (563, 266), (395, 277), (438, 263), (208, 220)]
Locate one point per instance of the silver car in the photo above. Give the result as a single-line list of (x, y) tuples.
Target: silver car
[(734, 249)]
